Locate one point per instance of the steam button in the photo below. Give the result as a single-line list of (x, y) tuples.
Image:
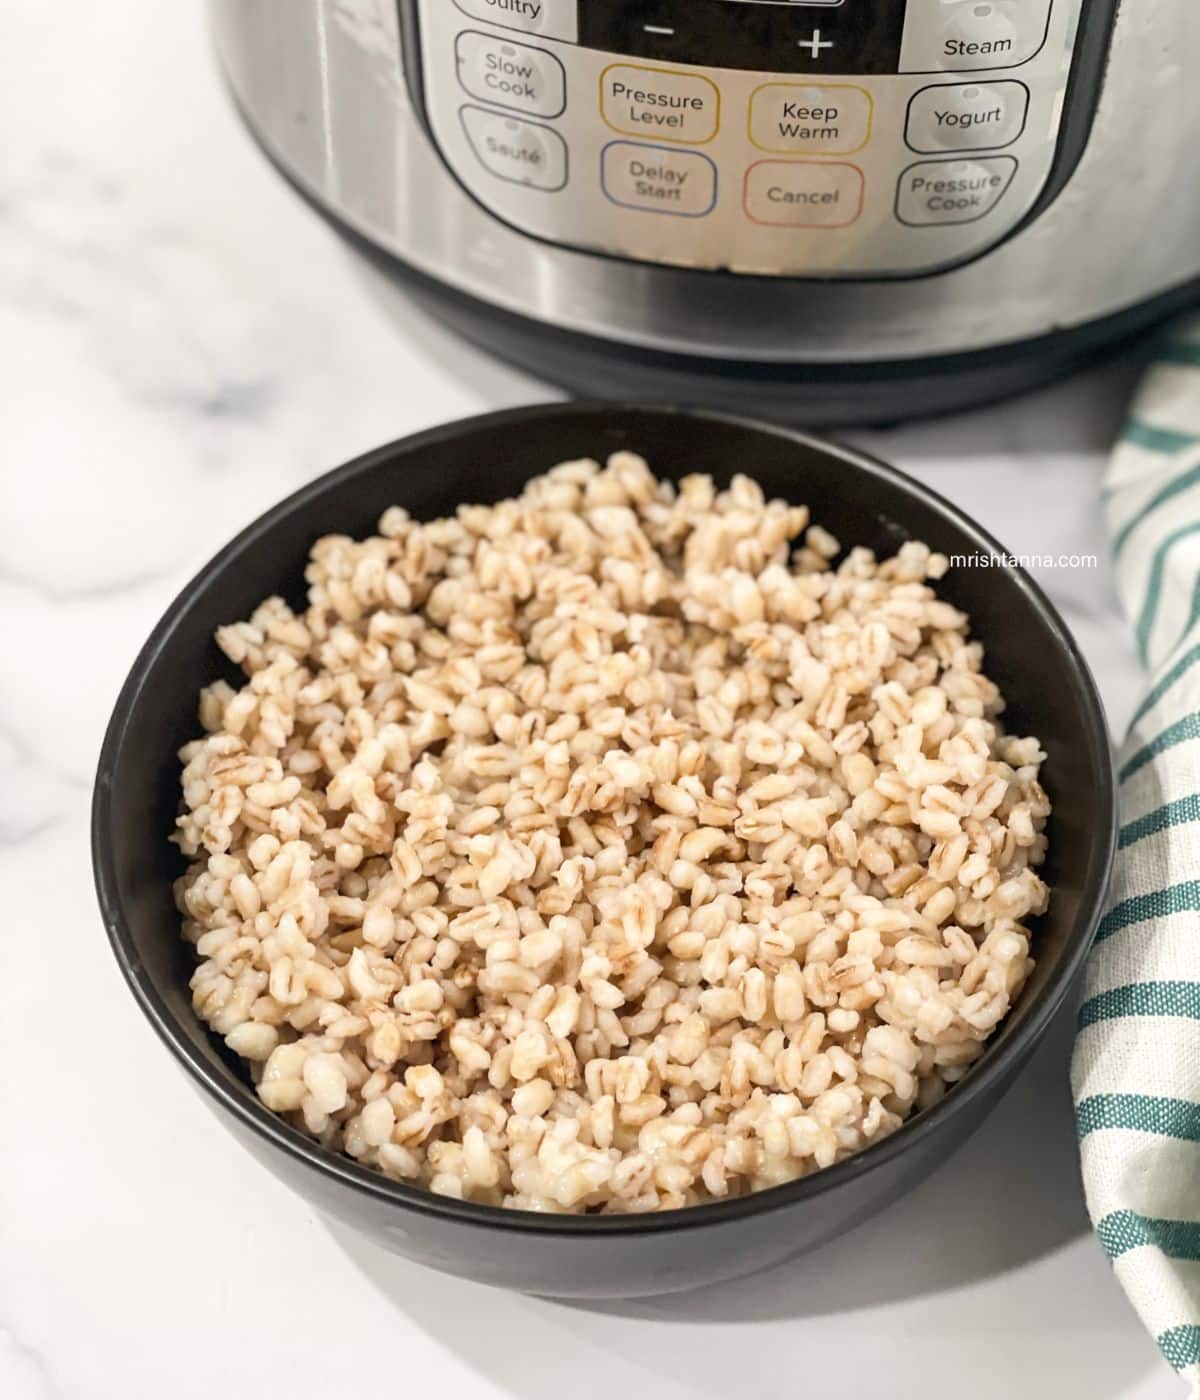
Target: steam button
[(507, 74), (966, 35)]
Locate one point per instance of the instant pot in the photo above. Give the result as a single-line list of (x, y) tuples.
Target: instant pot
[(822, 209)]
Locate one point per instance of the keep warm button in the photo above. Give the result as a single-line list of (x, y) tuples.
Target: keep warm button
[(953, 191), (659, 179)]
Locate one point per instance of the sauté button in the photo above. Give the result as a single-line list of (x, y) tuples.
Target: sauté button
[(658, 179), (830, 120), (525, 153), (511, 75), (961, 35), (966, 116), (660, 103), (804, 193), (555, 19), (953, 191)]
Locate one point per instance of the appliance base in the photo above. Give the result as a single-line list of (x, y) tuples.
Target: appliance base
[(805, 395)]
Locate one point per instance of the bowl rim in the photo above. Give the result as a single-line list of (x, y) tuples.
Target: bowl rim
[(992, 1073)]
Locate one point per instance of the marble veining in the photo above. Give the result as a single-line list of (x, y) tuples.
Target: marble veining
[(183, 342)]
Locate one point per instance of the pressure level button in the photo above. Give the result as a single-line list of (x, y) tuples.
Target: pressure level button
[(660, 104)]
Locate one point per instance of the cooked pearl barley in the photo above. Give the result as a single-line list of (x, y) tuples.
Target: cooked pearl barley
[(608, 849)]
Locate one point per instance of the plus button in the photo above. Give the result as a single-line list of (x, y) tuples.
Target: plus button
[(815, 44)]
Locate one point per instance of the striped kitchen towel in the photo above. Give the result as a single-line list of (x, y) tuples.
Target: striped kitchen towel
[(1136, 1071)]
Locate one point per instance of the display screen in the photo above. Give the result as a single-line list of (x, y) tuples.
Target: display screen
[(775, 36)]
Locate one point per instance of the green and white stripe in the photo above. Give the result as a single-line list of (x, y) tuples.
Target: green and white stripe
[(1136, 1070)]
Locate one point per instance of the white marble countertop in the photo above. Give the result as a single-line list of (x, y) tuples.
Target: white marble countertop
[(183, 343)]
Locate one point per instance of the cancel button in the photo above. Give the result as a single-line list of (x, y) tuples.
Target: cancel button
[(804, 193)]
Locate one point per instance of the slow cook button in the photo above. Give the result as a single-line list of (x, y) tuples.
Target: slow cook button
[(966, 116), (526, 153), (961, 35), (658, 179), (555, 19), (511, 75), (804, 193), (831, 120), (660, 102), (953, 191)]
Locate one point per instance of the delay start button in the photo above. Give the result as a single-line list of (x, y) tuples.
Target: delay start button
[(658, 179), (952, 191)]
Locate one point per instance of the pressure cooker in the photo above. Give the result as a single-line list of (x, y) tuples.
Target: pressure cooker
[(826, 210)]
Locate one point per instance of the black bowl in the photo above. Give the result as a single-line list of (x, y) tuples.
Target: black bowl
[(1029, 653)]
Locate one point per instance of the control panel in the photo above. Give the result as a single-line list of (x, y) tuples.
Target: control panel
[(803, 138)]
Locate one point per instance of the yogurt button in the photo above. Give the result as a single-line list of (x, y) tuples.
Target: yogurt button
[(511, 75), (966, 116)]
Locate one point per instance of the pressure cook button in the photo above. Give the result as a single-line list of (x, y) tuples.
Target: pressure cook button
[(660, 102), (658, 179), (804, 193), (953, 191), (963, 35), (511, 75), (525, 153), (829, 120), (555, 19), (966, 116)]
